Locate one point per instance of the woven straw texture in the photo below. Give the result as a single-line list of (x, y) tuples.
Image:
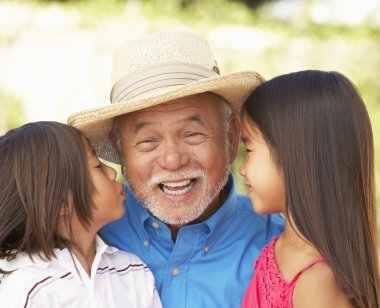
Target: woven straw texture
[(139, 57)]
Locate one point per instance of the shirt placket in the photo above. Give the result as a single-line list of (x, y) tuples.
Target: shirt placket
[(188, 243)]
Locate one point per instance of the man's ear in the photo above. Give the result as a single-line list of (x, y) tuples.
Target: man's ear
[(234, 137), (114, 143), (113, 140)]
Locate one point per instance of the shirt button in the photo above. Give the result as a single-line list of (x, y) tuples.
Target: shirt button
[(146, 243), (155, 225), (175, 271), (206, 248)]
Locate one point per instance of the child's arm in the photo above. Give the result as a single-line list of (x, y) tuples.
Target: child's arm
[(317, 288), (156, 302)]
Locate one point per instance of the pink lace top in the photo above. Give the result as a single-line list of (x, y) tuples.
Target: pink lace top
[(268, 288)]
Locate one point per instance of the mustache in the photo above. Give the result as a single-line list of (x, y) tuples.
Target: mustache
[(175, 176)]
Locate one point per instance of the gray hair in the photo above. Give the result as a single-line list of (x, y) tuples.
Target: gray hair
[(226, 112), (116, 132)]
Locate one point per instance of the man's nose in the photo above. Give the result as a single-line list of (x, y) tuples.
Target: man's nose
[(173, 156)]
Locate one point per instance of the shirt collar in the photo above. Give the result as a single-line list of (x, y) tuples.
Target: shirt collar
[(101, 246), (138, 214), (218, 223), (226, 210)]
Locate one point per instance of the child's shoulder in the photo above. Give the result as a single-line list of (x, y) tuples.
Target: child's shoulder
[(124, 256), (126, 261), (317, 287), (18, 285)]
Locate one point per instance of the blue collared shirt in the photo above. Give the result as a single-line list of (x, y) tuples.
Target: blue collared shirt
[(210, 264)]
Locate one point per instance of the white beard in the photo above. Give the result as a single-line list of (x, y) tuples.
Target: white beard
[(181, 212)]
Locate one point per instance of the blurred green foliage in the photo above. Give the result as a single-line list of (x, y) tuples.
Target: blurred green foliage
[(11, 113)]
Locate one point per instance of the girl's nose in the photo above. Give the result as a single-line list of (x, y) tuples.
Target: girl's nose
[(111, 172), (242, 169)]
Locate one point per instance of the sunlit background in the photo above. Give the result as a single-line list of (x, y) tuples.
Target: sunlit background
[(55, 56)]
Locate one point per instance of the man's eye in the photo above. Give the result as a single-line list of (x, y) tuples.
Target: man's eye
[(194, 134), (145, 141), (146, 145), (194, 137)]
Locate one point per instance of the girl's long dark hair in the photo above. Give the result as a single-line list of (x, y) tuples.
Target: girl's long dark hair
[(320, 135), (43, 167)]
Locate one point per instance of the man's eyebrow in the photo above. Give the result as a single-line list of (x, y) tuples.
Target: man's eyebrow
[(139, 125), (195, 118)]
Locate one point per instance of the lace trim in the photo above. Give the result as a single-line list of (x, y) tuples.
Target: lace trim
[(272, 285)]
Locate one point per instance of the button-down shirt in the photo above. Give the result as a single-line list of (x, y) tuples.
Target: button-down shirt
[(210, 264), (118, 279)]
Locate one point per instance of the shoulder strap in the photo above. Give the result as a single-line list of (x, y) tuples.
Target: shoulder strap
[(295, 278)]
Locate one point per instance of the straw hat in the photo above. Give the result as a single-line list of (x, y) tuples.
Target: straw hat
[(157, 68)]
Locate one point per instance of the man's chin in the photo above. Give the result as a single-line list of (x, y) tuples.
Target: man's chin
[(179, 214)]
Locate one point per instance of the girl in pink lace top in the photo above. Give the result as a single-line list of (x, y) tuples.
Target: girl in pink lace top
[(310, 156), (268, 287)]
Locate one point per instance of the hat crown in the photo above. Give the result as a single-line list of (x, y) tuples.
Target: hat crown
[(158, 68), (159, 48)]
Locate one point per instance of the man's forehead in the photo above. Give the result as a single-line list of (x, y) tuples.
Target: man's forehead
[(137, 123), (186, 107)]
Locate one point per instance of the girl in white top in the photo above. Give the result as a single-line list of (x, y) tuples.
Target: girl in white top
[(54, 197)]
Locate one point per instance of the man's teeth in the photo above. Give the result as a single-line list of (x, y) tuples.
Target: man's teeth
[(177, 184), (187, 185)]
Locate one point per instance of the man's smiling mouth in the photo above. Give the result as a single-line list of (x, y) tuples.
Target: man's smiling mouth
[(177, 188)]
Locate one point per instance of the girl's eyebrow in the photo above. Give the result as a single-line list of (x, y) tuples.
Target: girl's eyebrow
[(250, 138), (244, 139)]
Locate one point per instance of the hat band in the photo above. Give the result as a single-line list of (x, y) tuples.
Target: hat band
[(158, 76)]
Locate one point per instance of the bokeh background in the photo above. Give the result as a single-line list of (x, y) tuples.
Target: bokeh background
[(55, 56)]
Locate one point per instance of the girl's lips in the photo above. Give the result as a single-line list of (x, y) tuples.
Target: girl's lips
[(122, 191)]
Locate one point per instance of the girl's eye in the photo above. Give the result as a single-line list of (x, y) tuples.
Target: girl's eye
[(99, 166)]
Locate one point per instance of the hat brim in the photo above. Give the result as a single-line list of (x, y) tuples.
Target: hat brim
[(96, 123)]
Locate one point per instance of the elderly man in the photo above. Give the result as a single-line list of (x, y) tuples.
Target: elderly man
[(174, 128)]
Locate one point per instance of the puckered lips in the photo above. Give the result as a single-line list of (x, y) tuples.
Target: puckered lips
[(122, 192), (177, 189), (250, 188)]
